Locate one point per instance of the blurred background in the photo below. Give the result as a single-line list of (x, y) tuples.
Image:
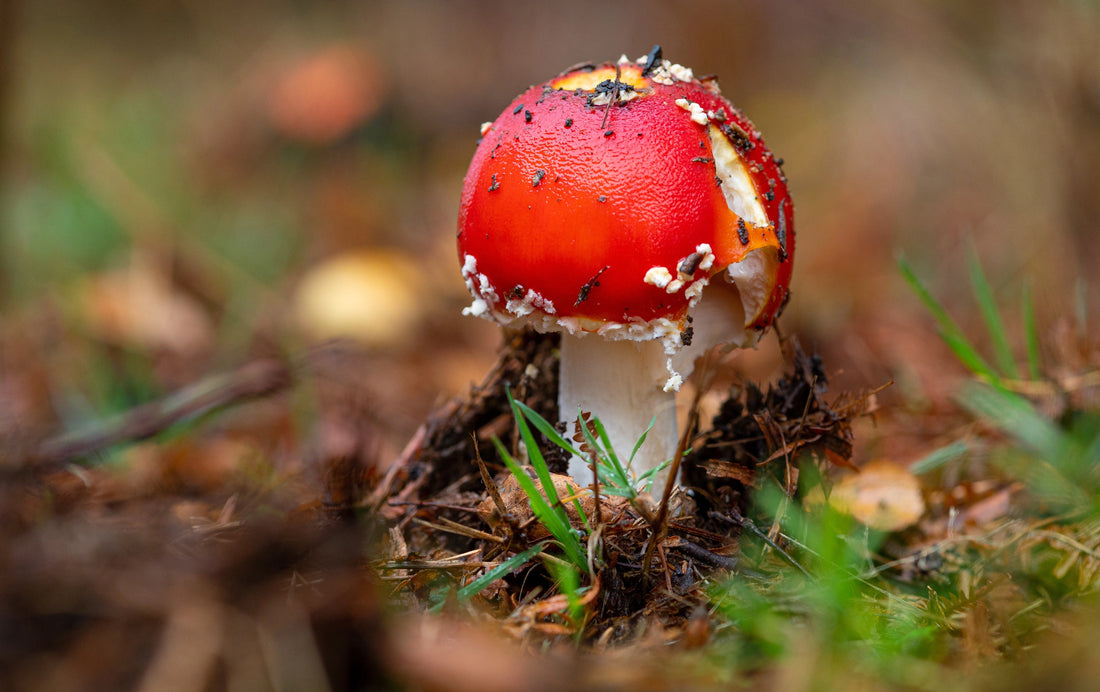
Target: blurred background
[(188, 184)]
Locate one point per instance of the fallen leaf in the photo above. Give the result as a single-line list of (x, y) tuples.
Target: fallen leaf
[(140, 307)]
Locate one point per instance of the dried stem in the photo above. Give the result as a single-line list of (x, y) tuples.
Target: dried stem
[(255, 380), (660, 528)]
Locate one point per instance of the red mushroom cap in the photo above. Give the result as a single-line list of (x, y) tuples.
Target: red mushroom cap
[(605, 200)]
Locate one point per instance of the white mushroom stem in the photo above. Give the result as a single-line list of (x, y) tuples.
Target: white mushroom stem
[(623, 383)]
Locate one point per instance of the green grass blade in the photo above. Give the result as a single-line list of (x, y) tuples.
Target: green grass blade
[(992, 317), (581, 513), (539, 505), (937, 458), (645, 483), (609, 476), (1031, 333), (1016, 418), (1091, 452), (648, 475), (547, 428), (907, 273), (568, 583), (969, 357), (500, 571), (610, 470), (553, 517), (949, 331), (534, 454), (641, 440), (607, 489), (606, 443)]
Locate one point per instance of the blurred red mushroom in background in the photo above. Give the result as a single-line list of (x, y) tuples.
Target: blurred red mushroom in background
[(325, 96), (632, 208)]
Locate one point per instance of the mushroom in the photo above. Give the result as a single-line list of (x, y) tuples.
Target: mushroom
[(632, 208)]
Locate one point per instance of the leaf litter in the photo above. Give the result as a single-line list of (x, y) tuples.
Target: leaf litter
[(283, 557), (788, 422)]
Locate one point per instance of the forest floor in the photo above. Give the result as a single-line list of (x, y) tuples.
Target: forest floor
[(249, 442)]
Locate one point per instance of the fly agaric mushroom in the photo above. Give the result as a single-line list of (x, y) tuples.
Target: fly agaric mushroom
[(632, 208)]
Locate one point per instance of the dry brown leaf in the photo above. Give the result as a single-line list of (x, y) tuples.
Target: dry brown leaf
[(440, 654), (720, 468), (140, 308), (518, 506)]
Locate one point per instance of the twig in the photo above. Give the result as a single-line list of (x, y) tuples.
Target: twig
[(663, 557), (745, 522), (490, 486), (252, 381), (448, 526), (660, 528), (843, 408), (412, 449), (595, 481), (701, 554), (450, 562)]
